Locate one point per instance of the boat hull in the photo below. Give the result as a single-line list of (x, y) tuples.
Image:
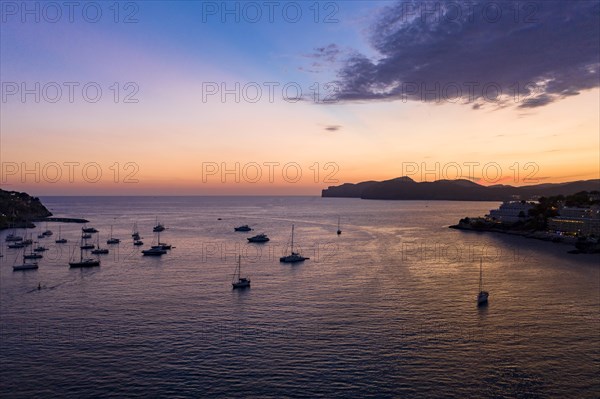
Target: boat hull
[(258, 240), (100, 251), (292, 259), (482, 298), (241, 284), (154, 252), (32, 266), (92, 263)]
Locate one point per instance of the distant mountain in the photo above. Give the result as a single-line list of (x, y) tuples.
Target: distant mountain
[(404, 188)]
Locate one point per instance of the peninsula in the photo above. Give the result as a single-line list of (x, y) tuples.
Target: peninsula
[(19, 210), (405, 188)]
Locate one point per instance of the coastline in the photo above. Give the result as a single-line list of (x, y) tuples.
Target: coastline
[(533, 234), (29, 224)]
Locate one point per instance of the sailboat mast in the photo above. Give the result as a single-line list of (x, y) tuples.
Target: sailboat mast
[(480, 275), (292, 238)]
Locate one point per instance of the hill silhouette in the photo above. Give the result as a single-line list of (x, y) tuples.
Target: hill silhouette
[(404, 188)]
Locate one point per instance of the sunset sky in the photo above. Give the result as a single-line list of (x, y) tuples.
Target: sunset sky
[(353, 107)]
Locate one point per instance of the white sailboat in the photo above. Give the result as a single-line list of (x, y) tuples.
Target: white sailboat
[(293, 257), (238, 281), (482, 297), (338, 230)]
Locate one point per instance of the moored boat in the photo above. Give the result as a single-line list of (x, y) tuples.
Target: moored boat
[(238, 281), (482, 297), (293, 257), (259, 238)]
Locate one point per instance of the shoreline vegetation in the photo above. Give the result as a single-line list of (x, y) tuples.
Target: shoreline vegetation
[(20, 210)]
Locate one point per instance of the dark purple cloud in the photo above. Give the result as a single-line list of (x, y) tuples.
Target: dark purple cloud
[(523, 53)]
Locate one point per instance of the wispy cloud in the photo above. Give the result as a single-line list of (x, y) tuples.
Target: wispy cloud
[(333, 128)]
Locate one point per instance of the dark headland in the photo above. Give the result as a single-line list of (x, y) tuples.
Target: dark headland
[(404, 188), (19, 210)]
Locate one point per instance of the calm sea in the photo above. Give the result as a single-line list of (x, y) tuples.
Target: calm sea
[(386, 309)]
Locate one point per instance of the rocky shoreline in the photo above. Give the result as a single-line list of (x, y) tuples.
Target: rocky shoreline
[(18, 210)]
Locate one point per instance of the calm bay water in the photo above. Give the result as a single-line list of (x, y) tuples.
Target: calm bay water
[(387, 309)]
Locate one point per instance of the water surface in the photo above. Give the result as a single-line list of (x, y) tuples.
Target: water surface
[(386, 309)]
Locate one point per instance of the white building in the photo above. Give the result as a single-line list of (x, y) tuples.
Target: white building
[(510, 212), (581, 221)]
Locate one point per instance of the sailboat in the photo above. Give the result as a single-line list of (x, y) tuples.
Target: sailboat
[(60, 239), (482, 297), (162, 245), (47, 232), (294, 256), (98, 250), (25, 265), (156, 250), (338, 230), (86, 229), (40, 248), (112, 240), (84, 262), (32, 254), (136, 234), (239, 282), (84, 243), (158, 227), (13, 237)]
